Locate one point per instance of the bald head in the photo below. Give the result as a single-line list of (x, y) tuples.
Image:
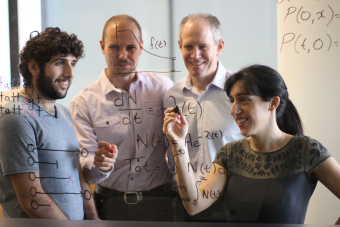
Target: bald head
[(122, 19)]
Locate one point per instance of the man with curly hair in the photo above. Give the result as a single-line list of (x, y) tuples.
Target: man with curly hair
[(40, 175)]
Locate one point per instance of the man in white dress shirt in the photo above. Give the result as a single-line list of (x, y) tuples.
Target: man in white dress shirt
[(203, 101), (119, 120)]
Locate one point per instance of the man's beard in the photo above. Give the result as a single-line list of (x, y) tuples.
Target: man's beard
[(46, 86)]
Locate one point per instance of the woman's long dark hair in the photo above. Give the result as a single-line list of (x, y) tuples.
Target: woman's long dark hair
[(266, 82)]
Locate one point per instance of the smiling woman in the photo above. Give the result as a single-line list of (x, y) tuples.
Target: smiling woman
[(260, 85), (267, 177)]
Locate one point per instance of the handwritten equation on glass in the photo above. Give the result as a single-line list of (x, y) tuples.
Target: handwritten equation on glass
[(188, 108), (154, 43), (32, 176), (304, 21)]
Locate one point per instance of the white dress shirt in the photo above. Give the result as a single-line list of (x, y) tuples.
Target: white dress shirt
[(132, 121), (210, 123)]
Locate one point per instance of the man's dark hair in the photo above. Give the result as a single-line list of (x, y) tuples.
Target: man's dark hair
[(42, 46)]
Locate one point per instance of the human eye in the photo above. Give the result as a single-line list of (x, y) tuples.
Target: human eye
[(244, 99), (73, 64), (203, 47), (188, 47), (231, 99), (132, 47), (59, 62), (114, 47)]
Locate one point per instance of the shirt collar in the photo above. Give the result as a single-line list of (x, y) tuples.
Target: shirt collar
[(107, 87), (188, 83), (218, 80), (140, 77), (220, 77)]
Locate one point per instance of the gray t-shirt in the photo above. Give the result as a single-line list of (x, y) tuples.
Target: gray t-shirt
[(273, 187), (35, 141)]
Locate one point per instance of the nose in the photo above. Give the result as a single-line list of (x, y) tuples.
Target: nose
[(196, 53), (69, 70), (122, 53), (235, 109)]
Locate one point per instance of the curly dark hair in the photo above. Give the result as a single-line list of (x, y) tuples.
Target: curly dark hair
[(42, 46)]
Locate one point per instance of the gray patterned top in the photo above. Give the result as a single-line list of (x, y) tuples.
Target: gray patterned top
[(273, 187)]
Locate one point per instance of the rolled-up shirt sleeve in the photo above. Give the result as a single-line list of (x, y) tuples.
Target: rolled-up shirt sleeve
[(87, 141)]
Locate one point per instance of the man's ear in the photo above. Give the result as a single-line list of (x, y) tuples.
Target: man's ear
[(141, 44), (33, 67), (102, 46), (180, 44), (274, 103), (220, 46)]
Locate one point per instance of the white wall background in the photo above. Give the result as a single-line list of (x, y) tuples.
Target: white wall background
[(86, 18), (249, 30), (4, 46), (29, 19), (311, 72)]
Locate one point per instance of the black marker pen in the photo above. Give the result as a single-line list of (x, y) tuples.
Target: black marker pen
[(176, 110)]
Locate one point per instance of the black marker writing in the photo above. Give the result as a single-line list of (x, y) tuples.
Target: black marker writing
[(86, 195), (35, 205), (83, 152), (159, 44), (303, 44), (31, 162), (15, 82), (213, 194), (33, 177)]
